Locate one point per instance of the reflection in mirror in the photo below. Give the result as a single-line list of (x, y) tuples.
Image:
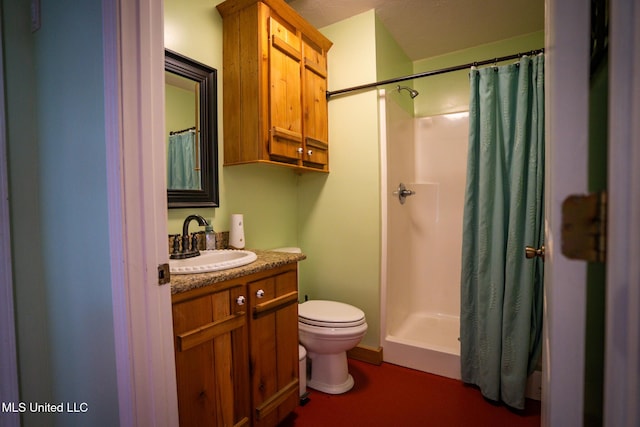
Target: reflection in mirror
[(182, 111), (191, 132)]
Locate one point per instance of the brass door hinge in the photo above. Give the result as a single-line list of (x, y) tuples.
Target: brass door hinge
[(584, 227), (164, 275)]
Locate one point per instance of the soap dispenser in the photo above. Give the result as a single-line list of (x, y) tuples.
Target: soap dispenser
[(210, 238)]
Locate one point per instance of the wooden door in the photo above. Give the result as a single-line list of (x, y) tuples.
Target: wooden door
[(274, 346), (285, 116), (212, 358)]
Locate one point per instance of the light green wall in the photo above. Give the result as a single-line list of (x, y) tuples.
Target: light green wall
[(179, 108), (339, 215), (59, 224), (392, 62), (449, 93), (267, 196)]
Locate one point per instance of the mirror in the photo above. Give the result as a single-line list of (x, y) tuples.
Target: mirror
[(191, 139)]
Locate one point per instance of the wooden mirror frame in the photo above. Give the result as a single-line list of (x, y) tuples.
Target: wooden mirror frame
[(207, 77)]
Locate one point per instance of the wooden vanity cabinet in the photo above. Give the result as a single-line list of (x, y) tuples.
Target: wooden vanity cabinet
[(274, 86), (211, 352), (238, 364)]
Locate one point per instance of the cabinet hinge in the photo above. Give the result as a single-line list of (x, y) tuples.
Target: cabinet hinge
[(584, 227), (164, 275)]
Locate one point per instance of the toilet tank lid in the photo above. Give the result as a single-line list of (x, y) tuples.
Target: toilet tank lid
[(329, 311)]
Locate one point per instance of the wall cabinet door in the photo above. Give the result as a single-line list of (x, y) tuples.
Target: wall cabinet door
[(285, 54), (273, 325), (314, 107), (212, 357)]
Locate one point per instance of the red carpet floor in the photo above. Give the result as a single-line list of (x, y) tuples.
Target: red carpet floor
[(390, 396)]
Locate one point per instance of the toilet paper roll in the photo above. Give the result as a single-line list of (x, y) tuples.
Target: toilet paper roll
[(236, 232)]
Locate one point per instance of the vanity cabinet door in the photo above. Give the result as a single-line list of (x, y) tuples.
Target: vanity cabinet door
[(210, 331), (273, 338)]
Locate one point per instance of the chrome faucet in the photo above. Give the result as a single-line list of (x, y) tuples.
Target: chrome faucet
[(187, 251)]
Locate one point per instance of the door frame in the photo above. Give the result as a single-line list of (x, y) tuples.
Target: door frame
[(9, 390), (622, 333), (136, 181), (567, 24)]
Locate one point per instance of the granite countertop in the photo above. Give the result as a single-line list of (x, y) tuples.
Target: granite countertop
[(266, 261)]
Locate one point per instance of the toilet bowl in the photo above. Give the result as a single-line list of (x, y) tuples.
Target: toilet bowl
[(327, 329)]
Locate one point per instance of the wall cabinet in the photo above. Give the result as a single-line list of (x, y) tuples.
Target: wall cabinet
[(236, 350), (274, 86)]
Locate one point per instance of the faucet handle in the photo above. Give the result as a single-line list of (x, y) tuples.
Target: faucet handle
[(194, 242), (176, 243)]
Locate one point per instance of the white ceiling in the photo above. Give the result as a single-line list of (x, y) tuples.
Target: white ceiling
[(427, 28)]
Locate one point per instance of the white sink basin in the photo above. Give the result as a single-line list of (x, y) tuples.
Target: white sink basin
[(212, 261)]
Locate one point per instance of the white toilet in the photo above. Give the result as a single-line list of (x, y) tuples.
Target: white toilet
[(327, 329)]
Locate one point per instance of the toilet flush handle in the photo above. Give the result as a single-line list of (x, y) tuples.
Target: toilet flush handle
[(260, 293)]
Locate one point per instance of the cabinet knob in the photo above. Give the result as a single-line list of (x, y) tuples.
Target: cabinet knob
[(260, 293), (310, 152), (240, 300), (300, 150)]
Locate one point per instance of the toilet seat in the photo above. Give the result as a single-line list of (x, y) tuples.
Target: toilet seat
[(330, 314)]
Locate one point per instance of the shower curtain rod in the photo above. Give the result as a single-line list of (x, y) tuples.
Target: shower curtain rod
[(175, 132), (432, 73)]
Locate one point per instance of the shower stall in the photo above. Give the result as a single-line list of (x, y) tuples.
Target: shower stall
[(423, 162)]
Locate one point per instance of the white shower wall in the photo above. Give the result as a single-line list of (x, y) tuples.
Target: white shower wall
[(399, 132), (423, 237), (440, 175)]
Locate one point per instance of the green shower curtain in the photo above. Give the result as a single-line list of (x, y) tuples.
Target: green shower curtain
[(501, 290), (183, 172)]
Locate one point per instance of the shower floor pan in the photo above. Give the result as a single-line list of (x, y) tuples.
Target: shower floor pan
[(427, 342)]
